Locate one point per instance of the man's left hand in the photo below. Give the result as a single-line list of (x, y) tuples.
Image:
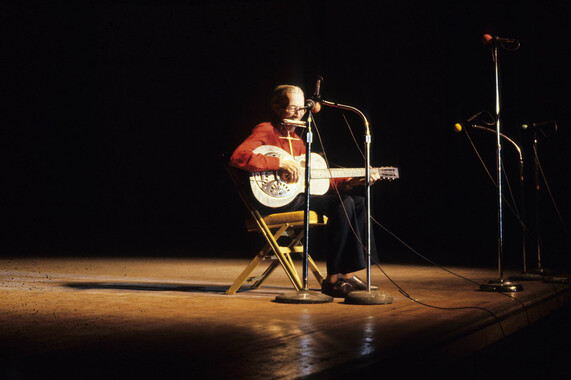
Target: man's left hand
[(352, 182)]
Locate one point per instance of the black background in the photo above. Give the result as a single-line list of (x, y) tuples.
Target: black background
[(117, 114)]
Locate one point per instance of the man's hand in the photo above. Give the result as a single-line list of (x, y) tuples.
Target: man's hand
[(352, 182), (289, 171)]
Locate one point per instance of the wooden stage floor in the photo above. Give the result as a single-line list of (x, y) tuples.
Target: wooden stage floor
[(106, 318)]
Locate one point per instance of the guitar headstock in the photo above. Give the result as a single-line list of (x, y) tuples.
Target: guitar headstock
[(388, 173)]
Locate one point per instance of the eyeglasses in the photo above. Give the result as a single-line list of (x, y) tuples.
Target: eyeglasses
[(295, 109)]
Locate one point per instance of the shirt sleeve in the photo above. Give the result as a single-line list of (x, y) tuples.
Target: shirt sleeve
[(339, 183), (244, 158)]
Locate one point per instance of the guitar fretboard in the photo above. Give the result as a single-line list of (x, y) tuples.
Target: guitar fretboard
[(349, 172)]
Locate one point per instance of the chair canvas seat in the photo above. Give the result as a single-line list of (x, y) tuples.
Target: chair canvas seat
[(293, 218)]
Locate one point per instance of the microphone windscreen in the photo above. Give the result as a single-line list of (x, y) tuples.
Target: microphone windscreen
[(487, 39), (316, 108)]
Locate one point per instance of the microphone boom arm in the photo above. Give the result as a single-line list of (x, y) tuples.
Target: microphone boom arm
[(521, 184), (504, 136), (367, 179), (349, 108)]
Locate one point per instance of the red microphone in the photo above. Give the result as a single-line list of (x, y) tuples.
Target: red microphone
[(317, 96), (488, 39)]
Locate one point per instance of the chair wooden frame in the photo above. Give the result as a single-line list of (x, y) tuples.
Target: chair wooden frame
[(273, 227)]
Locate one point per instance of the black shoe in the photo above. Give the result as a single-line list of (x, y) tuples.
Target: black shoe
[(358, 284), (339, 289)]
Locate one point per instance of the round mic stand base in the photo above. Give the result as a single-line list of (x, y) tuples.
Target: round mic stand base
[(501, 286), (542, 272), (526, 276), (368, 297), (303, 296), (557, 280)]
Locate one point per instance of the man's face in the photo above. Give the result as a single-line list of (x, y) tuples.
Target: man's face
[(292, 109)]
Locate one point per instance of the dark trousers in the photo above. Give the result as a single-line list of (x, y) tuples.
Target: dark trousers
[(345, 232)]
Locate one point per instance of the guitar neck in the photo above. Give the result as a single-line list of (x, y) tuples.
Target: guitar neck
[(338, 173)]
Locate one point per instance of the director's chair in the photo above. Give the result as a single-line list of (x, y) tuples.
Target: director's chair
[(288, 226)]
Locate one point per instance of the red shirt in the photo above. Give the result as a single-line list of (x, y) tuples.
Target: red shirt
[(266, 134)]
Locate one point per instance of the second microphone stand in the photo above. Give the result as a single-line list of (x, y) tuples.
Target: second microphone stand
[(539, 271), (525, 275), (365, 297)]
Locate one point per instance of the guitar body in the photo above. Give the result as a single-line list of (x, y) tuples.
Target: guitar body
[(272, 191)]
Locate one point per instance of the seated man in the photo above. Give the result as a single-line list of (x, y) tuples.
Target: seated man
[(346, 218)]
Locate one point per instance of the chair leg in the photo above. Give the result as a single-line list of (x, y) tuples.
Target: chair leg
[(315, 270), (288, 266), (311, 264), (245, 273), (266, 274), (281, 258)]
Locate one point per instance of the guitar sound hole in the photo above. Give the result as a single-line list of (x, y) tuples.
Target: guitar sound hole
[(276, 189)]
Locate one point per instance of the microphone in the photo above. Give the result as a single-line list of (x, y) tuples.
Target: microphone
[(316, 98), (488, 40), (309, 105), (541, 126), (538, 124), (458, 126), (317, 92)]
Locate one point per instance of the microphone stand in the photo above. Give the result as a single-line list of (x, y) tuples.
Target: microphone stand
[(499, 285), (524, 275), (539, 271), (365, 297), (304, 295)]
